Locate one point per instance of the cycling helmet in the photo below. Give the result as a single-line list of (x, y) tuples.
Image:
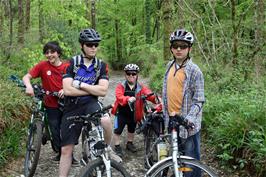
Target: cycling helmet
[(131, 67), (182, 35), (89, 35)]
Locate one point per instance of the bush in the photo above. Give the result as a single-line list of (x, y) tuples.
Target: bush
[(236, 126), (14, 109)]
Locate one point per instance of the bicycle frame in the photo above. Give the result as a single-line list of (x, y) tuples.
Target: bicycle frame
[(42, 116), (173, 158), (94, 152), (99, 148)]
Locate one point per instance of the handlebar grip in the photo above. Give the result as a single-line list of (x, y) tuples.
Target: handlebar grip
[(147, 96), (18, 81), (182, 121)]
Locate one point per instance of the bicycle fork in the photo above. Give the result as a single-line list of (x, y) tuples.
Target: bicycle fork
[(107, 163), (178, 173)]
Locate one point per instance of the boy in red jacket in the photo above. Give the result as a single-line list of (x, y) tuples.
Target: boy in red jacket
[(128, 107)]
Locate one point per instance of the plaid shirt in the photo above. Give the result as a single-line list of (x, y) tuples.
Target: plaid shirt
[(193, 97)]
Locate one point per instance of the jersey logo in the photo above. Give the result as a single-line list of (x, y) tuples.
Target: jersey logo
[(49, 73)]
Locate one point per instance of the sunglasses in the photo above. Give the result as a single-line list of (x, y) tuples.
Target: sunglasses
[(132, 74), (90, 45), (182, 47)]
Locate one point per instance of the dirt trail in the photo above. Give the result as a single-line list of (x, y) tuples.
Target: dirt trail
[(133, 162)]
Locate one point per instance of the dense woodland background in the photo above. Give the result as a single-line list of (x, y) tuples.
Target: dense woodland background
[(229, 48)]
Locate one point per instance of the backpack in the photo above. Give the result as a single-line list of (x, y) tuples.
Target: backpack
[(97, 66)]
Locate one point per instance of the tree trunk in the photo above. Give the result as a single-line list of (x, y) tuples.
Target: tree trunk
[(93, 14), (180, 13), (1, 21), (27, 24), (41, 22), (21, 26), (235, 34), (88, 17), (9, 48), (118, 40), (167, 22), (157, 20), (148, 21), (259, 37)]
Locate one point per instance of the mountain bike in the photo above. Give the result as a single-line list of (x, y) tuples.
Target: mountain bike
[(38, 130), (95, 150), (152, 125), (177, 165)]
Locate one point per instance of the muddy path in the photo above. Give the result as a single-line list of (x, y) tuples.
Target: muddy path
[(133, 162)]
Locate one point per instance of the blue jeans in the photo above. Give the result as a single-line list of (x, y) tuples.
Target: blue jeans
[(54, 116), (192, 149)]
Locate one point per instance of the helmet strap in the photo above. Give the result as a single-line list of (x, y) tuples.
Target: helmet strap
[(84, 54)]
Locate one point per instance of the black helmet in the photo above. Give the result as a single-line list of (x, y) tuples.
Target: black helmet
[(89, 35)]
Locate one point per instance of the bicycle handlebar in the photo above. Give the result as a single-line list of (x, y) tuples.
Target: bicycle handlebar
[(181, 121), (143, 97), (88, 116), (147, 121), (38, 90)]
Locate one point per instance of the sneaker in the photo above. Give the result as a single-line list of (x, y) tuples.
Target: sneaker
[(75, 163), (113, 155), (118, 150), (131, 147), (56, 158)]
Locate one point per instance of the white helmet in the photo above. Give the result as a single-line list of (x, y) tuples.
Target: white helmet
[(131, 67), (182, 35)]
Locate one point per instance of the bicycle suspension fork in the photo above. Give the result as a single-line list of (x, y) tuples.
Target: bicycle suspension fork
[(175, 153)]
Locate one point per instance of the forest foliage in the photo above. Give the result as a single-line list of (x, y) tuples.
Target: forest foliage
[(229, 48)]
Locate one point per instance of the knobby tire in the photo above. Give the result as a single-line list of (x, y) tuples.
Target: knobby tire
[(150, 138), (33, 148), (117, 170), (85, 145)]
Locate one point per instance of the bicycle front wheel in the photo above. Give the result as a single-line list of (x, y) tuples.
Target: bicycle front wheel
[(186, 168), (96, 168), (33, 148)]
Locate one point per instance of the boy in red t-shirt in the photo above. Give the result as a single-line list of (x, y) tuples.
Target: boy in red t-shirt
[(50, 71)]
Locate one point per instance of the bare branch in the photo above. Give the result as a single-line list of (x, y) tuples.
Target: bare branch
[(200, 46), (220, 26)]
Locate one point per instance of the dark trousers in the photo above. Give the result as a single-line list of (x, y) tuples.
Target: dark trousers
[(54, 121)]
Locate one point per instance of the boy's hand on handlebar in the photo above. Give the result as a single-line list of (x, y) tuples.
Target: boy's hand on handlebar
[(61, 93), (29, 91), (190, 125), (132, 99)]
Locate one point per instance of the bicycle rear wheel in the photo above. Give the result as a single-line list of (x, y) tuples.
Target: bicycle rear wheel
[(85, 146), (187, 166), (33, 148), (151, 156), (96, 168)]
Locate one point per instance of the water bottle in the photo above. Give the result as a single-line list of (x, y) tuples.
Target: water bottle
[(162, 150)]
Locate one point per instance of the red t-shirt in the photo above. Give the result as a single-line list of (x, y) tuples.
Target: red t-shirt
[(51, 79)]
